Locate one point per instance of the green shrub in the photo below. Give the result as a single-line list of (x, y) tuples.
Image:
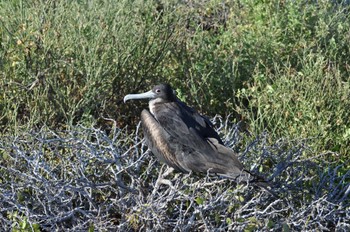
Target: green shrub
[(310, 103), (306, 94), (67, 62)]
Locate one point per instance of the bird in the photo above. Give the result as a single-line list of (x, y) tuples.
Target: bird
[(186, 140)]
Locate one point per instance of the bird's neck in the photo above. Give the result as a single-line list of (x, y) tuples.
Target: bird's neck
[(156, 105), (152, 104)]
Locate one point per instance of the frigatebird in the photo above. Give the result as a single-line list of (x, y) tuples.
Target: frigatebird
[(185, 140)]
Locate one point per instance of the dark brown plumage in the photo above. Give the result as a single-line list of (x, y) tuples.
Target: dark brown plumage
[(184, 139)]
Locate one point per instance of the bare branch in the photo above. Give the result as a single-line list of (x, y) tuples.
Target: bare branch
[(84, 178)]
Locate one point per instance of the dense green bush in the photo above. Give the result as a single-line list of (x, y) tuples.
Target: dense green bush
[(306, 93), (280, 65), (65, 61), (312, 102)]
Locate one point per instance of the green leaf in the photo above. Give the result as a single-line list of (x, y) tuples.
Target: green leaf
[(199, 200)]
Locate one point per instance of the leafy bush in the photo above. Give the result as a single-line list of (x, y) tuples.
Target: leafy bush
[(67, 62), (306, 94), (310, 103)]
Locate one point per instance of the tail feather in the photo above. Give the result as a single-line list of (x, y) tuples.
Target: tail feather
[(260, 182)]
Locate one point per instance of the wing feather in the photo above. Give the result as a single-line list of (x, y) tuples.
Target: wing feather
[(182, 126)]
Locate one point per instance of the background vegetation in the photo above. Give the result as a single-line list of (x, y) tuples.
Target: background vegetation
[(280, 66)]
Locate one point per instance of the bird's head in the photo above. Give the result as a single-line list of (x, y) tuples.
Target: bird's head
[(162, 93)]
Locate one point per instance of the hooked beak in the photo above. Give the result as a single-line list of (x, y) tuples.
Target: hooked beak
[(148, 94)]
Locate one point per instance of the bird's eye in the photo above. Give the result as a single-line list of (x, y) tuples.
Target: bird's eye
[(157, 90)]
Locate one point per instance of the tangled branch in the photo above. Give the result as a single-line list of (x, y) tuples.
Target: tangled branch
[(87, 179)]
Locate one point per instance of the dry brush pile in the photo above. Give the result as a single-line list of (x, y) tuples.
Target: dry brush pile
[(85, 179)]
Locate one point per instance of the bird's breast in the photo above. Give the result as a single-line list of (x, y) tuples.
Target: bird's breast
[(158, 139)]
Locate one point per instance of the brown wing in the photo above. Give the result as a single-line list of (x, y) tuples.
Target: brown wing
[(185, 125)]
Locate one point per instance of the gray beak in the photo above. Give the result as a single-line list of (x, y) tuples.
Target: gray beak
[(148, 94)]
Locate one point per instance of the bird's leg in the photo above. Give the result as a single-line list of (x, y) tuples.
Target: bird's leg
[(161, 180)]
